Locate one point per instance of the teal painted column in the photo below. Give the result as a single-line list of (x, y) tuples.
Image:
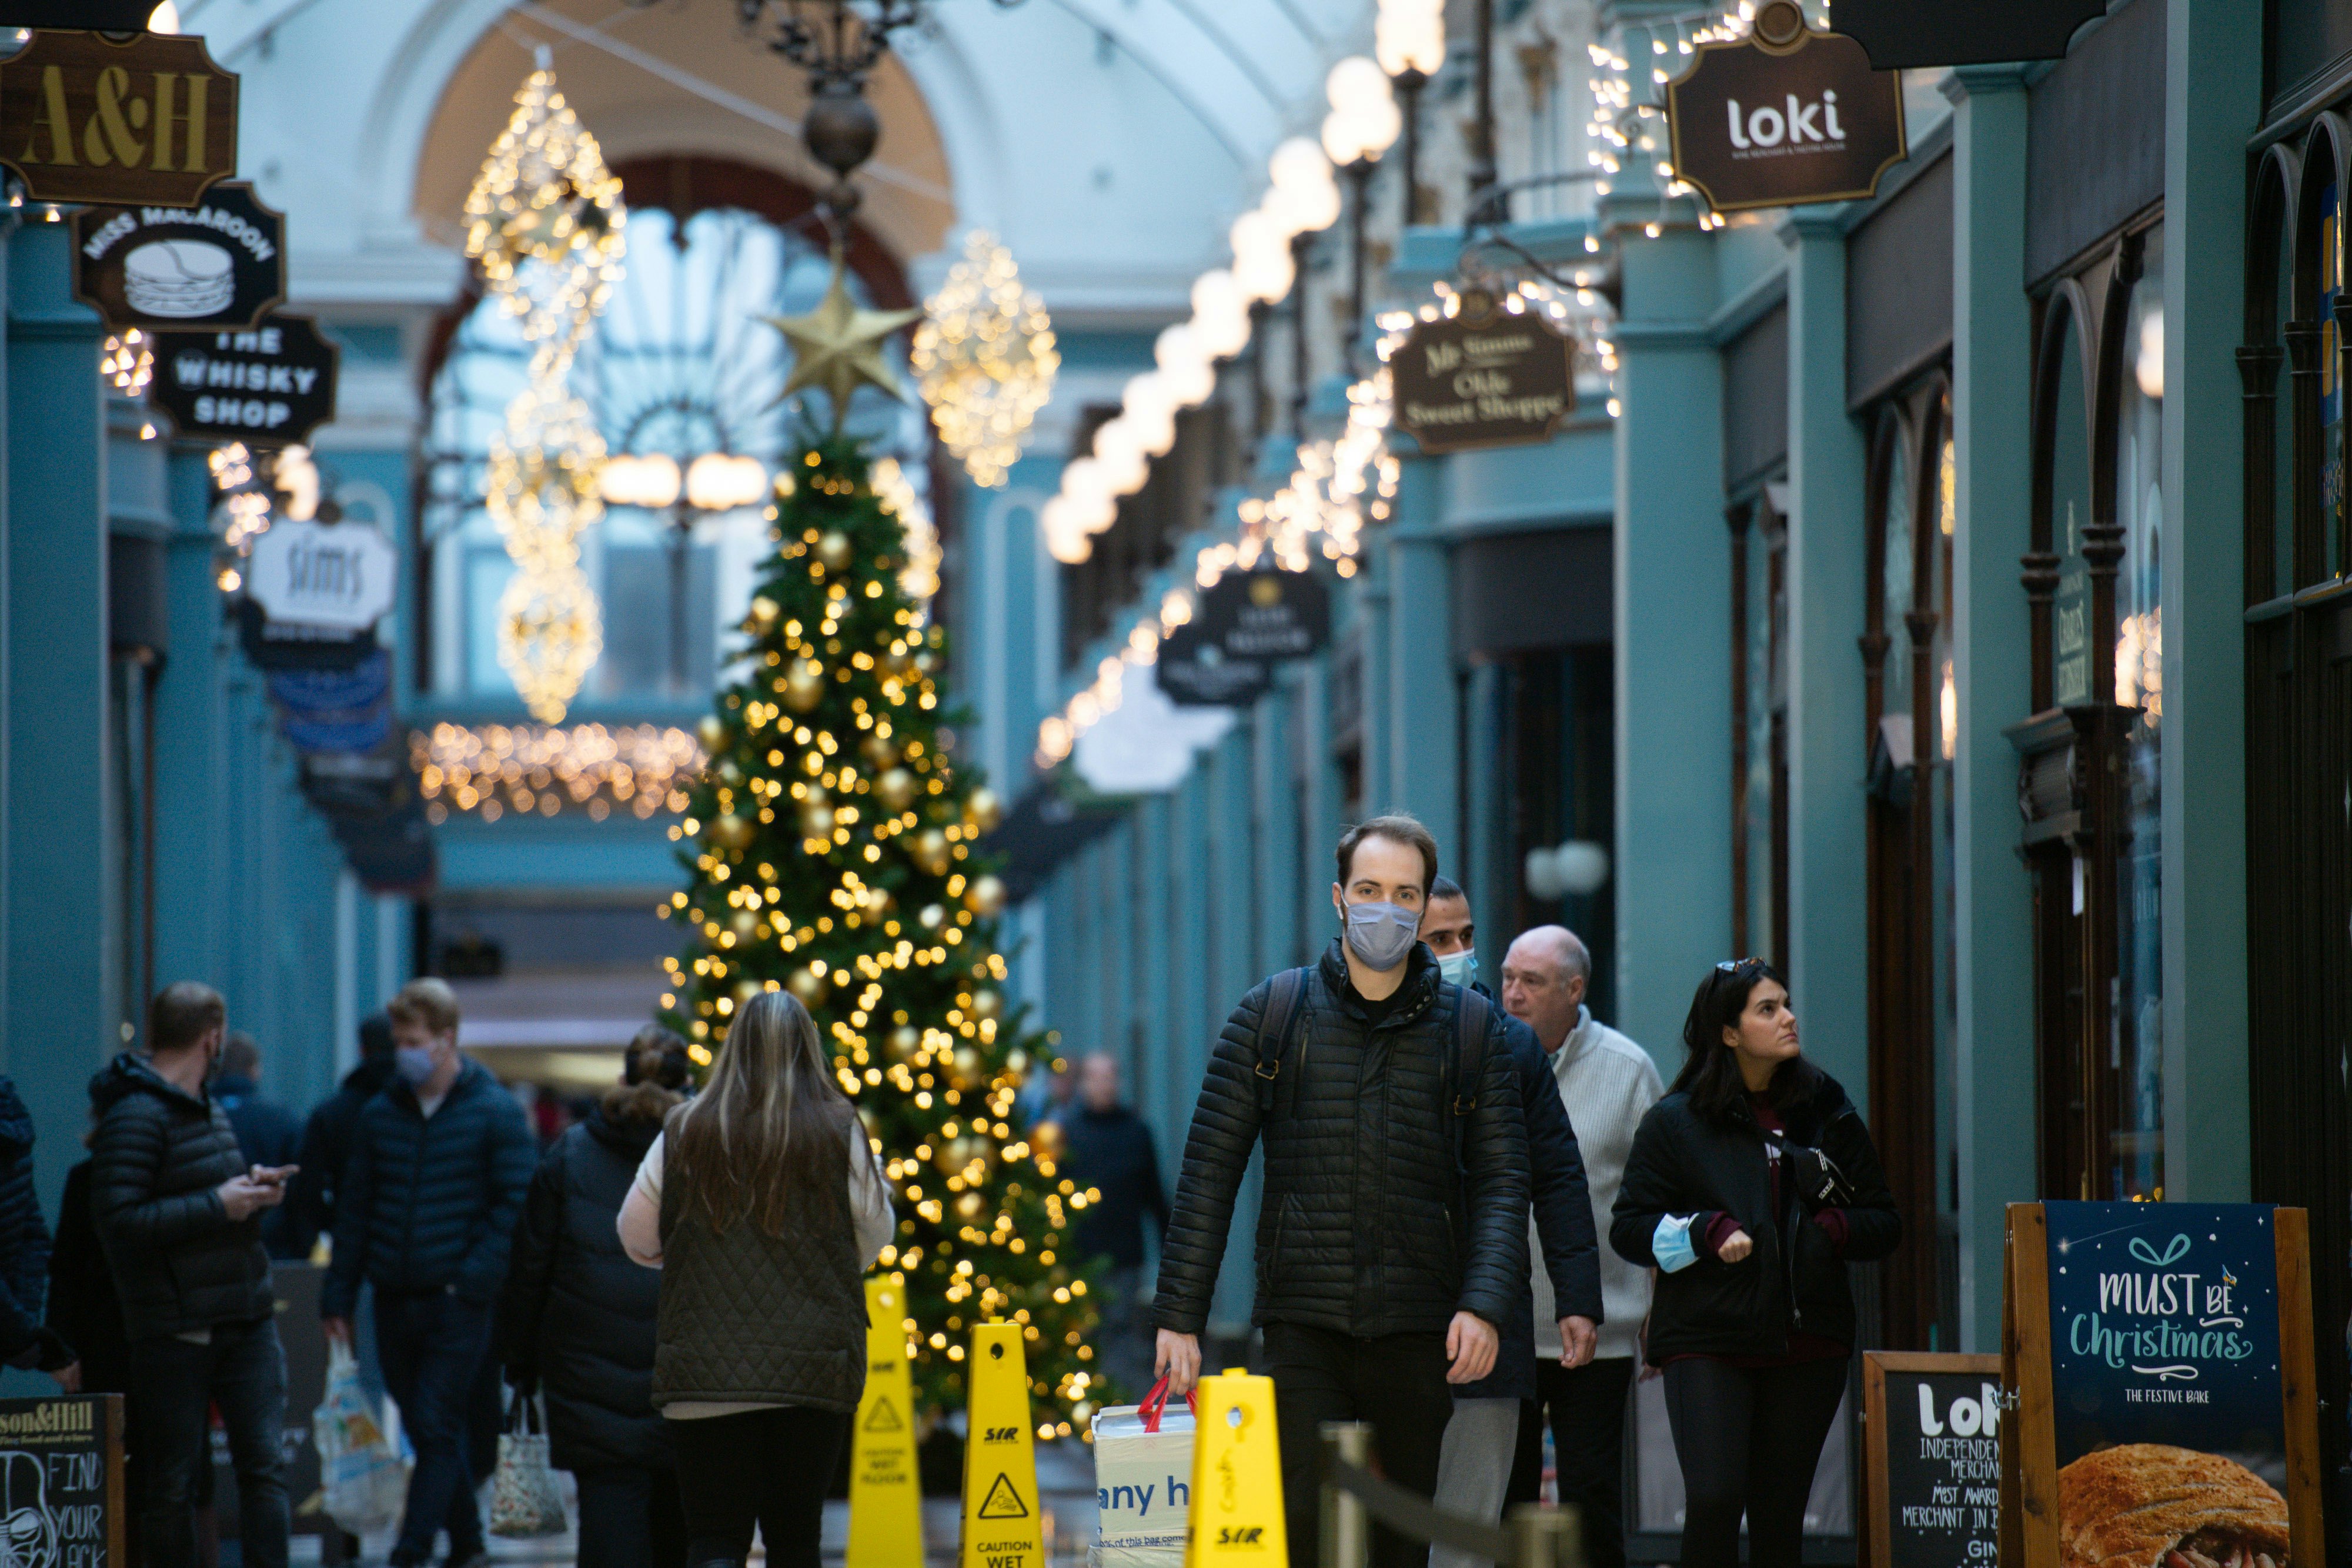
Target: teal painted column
[(1828, 939), (1320, 809), (1233, 857), (1277, 802), (60, 854), (2213, 79), (1991, 353), (1372, 624), (194, 782), (1165, 1103), (1424, 702), (1673, 594), (1489, 878)]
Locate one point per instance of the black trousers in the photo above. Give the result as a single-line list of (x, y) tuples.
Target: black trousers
[(771, 1468), (173, 1387), (431, 1347), (1397, 1383), (1749, 1441), (630, 1517), (1588, 1433)]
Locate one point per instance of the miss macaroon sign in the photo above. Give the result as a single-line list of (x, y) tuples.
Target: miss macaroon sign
[(2160, 1356)]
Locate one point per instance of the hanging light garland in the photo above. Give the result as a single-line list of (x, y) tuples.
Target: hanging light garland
[(984, 358), (545, 223)]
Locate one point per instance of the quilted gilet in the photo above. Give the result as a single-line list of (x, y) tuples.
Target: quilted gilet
[(1368, 1224), (749, 1317), (180, 1264)]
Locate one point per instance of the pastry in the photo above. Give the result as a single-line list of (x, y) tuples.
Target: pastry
[(182, 278), (2148, 1505)]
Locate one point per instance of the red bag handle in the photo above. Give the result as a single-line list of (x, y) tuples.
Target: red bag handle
[(1155, 1405)]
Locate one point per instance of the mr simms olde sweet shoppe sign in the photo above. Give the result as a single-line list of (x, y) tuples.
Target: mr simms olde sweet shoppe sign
[(61, 1503), (147, 120), (1486, 376), (1785, 116)]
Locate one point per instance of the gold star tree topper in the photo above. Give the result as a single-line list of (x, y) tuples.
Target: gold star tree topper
[(838, 346)]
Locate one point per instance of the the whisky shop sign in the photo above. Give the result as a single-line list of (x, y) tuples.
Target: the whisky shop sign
[(1784, 116), (122, 119), (1486, 376)]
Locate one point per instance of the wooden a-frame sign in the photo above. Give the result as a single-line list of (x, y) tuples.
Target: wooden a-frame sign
[(2153, 1383)]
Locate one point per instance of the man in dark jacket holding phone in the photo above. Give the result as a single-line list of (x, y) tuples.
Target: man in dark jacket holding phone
[(179, 1212), (1391, 1240), (426, 1213)]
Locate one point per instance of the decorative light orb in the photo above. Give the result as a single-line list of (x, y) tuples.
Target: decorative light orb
[(834, 550), (712, 732), (985, 897), (987, 1004), (931, 852), (816, 818), (807, 985), (1409, 37), (984, 810), (716, 482), (984, 358), (896, 789), (551, 633), (745, 921), (931, 917), (764, 611), (804, 687), (731, 832), (633, 480), (1358, 82), (903, 1042)]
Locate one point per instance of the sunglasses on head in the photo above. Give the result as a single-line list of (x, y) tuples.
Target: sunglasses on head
[(1733, 966)]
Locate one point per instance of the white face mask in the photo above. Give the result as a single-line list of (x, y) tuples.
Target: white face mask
[(1459, 968)]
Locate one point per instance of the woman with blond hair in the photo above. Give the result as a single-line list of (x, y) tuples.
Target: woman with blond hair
[(763, 1204)]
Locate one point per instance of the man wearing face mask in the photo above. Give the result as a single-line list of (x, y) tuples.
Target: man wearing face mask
[(438, 1168), (178, 1213), (1392, 1238), (1481, 1442)]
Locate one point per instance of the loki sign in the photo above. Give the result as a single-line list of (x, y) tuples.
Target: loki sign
[(1900, 34), (218, 265), (269, 387), (143, 118), (1785, 117), (1483, 377)]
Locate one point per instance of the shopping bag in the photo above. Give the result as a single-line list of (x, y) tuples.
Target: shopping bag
[(524, 1501), (360, 1472), (1143, 1481)]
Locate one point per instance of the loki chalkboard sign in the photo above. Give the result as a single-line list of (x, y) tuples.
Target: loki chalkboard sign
[(1931, 1460), (61, 1503)]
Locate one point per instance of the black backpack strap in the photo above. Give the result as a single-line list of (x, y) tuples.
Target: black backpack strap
[(1473, 1020), (1273, 1033)]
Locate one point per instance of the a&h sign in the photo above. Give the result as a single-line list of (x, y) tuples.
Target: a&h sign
[(1784, 116)]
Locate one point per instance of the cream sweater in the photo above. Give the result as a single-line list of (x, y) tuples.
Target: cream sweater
[(1606, 1082)]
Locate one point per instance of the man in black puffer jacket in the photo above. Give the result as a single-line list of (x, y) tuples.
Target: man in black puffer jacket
[(178, 1212), (25, 1340), (1391, 1242), (430, 1197)]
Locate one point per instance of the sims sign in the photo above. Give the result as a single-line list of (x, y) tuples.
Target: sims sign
[(339, 576), (1784, 116)]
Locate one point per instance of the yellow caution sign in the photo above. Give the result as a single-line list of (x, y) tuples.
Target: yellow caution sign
[(1236, 1517), (885, 1493), (1002, 1527)]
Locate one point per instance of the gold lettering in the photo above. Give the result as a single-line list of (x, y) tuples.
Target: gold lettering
[(112, 83), (53, 115), (199, 88)]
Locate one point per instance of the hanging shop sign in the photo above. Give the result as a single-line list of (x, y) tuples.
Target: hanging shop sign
[(290, 645), (1899, 35), (95, 16), (2162, 1361), (1486, 376), (336, 575), (1785, 117), (335, 710), (1192, 671), (1931, 1459), (272, 385), (61, 1480), (125, 120), (219, 265), (1269, 616)]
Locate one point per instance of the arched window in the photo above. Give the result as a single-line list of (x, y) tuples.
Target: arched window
[(681, 364)]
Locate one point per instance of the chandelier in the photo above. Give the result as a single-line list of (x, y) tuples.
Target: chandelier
[(985, 360)]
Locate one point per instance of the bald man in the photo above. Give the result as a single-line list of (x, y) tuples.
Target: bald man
[(1607, 1082)]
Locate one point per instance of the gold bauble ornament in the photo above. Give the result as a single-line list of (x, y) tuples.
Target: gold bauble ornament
[(930, 851), (897, 787), (804, 687), (1047, 1138), (712, 732), (985, 897), (968, 1205), (969, 1067), (730, 831), (881, 751), (744, 924), (764, 611), (898, 663), (816, 820), (986, 1004), (807, 985), (730, 774), (834, 548), (744, 991), (984, 810), (946, 1158), (932, 917), (904, 1041)]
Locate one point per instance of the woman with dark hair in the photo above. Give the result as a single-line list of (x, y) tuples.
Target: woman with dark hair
[(1749, 1188), (763, 1204)]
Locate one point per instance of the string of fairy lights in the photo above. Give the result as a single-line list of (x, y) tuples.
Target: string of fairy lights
[(545, 223)]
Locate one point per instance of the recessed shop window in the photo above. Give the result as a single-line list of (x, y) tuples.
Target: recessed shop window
[(1760, 738)]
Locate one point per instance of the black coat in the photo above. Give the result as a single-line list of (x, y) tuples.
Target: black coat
[(327, 1142), (430, 1203), (1111, 1151), (576, 1314), (1684, 1163), (84, 1310), (1370, 1225), (180, 1262), (1563, 1214), (24, 1239)]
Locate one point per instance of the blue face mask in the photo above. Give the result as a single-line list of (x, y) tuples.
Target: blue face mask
[(1382, 934), (414, 1063), (1459, 968)]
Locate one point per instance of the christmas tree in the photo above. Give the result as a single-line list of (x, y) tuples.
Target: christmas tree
[(830, 851)]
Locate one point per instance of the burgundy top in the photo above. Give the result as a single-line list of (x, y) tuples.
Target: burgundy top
[(1719, 1226)]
